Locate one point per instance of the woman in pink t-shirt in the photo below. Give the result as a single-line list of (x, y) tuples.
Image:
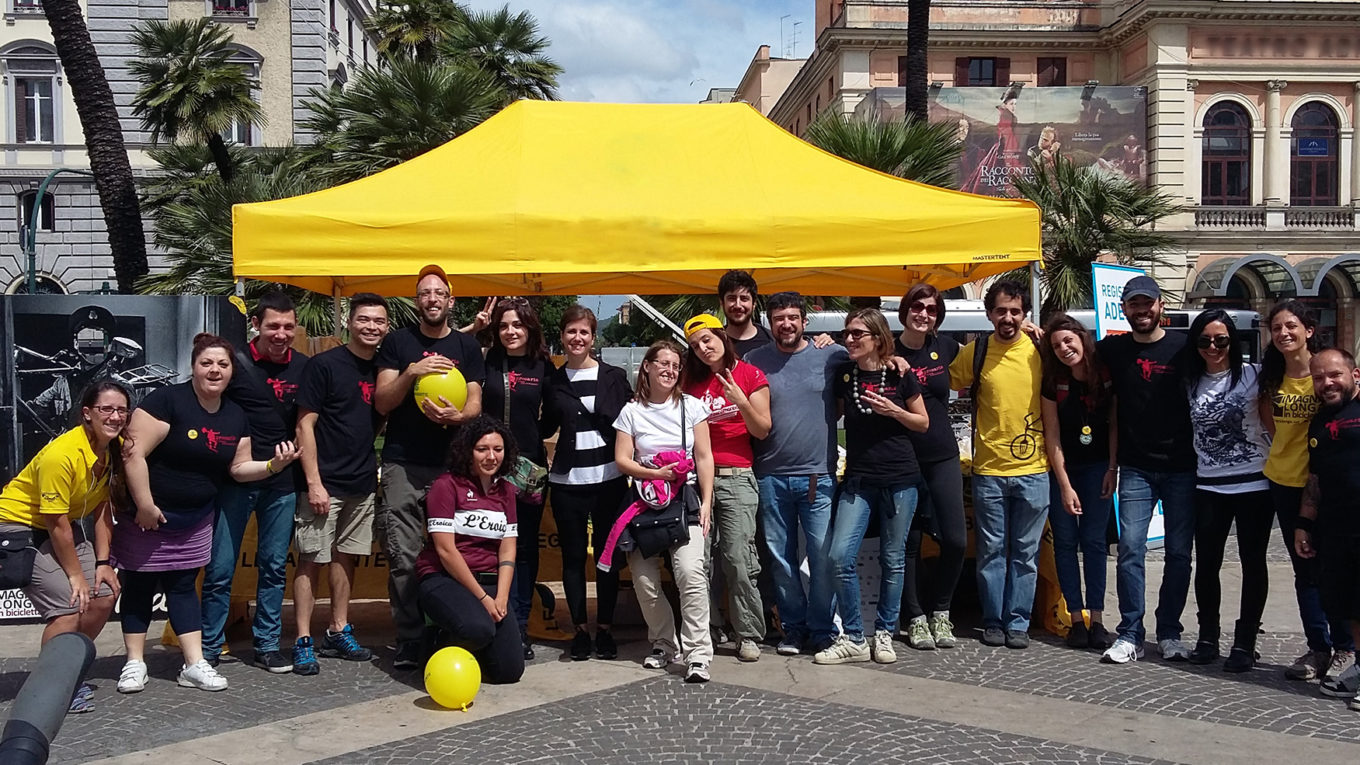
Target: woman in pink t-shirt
[(468, 562), (737, 398)]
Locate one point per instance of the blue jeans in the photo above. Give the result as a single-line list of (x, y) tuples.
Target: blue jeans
[(1085, 532), (1139, 491), (1009, 514), (786, 503), (274, 531), (895, 506)]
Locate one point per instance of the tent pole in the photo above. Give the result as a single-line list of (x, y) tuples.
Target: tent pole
[(335, 311), (1035, 291)]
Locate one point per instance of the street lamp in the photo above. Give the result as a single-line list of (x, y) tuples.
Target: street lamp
[(30, 236)]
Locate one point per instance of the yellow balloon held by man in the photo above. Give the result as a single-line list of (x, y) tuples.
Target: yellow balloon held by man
[(450, 385), (452, 678)]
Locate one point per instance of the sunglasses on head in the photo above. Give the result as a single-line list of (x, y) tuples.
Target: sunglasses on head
[(930, 309), (1218, 341)]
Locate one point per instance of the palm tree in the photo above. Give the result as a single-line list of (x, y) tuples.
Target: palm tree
[(189, 87), (912, 149), (1088, 212), (918, 67), (103, 139), (411, 30), (387, 116), (509, 48)]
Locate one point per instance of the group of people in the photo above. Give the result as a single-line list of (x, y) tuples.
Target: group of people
[(740, 431)]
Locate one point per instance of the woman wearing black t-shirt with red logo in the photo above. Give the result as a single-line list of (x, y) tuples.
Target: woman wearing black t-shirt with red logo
[(468, 563), (937, 450), (1076, 398), (183, 444), (517, 370)]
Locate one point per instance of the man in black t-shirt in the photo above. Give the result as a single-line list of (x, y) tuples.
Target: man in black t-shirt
[(415, 451), (264, 384), (1329, 518), (337, 427), (737, 296), (1156, 463)]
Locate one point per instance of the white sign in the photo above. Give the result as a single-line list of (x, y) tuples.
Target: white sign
[(1108, 282), (14, 606)]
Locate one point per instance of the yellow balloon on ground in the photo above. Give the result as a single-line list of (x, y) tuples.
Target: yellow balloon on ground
[(452, 678), (450, 385)]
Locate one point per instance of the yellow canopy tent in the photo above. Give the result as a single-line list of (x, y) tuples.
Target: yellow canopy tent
[(569, 198)]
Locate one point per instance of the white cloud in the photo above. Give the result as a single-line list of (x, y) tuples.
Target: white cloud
[(659, 50)]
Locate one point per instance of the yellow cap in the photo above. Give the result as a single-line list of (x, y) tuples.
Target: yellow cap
[(702, 321), (437, 271)]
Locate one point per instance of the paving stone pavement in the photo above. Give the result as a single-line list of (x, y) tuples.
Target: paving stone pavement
[(663, 721)]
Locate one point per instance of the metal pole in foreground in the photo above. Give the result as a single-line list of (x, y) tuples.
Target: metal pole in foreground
[(41, 705), (30, 239)]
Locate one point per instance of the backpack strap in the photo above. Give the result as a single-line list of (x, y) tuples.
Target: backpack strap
[(979, 358)]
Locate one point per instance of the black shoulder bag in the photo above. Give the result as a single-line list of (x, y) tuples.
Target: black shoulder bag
[(18, 549), (657, 529)]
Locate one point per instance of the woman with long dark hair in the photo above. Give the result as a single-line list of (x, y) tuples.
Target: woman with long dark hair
[(1079, 434), (1287, 408), (468, 563), (937, 450), (661, 419), (72, 587), (585, 396), (183, 444), (1230, 483), (736, 398), (880, 408), (517, 368)]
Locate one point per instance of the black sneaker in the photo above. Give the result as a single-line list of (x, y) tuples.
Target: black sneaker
[(604, 645), (1239, 660), (408, 655), (271, 661), (1205, 653), (343, 645), (1100, 637), (580, 646), (993, 636), (304, 657), (528, 646), (1078, 636), (1018, 639)]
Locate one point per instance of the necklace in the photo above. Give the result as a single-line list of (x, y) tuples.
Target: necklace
[(854, 387)]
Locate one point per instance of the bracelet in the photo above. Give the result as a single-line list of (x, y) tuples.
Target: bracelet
[(1304, 524), (269, 466), (104, 562), (1114, 469), (484, 597), (509, 563)]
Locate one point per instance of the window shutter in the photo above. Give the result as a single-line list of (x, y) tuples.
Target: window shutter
[(1003, 72), (960, 71), (21, 111)]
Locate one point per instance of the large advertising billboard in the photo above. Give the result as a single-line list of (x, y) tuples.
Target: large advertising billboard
[(1005, 129)]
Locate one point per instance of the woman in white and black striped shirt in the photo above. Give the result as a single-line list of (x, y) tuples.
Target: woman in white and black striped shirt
[(587, 396)]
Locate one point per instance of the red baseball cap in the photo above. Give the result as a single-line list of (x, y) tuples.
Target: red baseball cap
[(434, 269)]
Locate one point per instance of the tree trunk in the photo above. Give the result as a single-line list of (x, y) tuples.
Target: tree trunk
[(918, 63), (103, 140), (221, 157)]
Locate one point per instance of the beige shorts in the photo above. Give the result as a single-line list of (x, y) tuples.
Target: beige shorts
[(348, 528), (50, 589)]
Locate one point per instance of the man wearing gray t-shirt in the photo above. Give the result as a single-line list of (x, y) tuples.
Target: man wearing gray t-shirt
[(794, 466)]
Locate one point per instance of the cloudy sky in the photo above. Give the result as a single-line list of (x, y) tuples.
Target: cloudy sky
[(660, 50)]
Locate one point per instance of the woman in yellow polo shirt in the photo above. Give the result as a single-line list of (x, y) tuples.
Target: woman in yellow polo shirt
[(72, 585)]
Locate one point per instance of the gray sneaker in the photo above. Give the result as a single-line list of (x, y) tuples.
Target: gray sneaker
[(748, 650), (942, 630), (1343, 686), (918, 634), (1310, 666), (1341, 661)]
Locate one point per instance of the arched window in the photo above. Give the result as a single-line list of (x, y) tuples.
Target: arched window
[(244, 133), (1226, 170), (46, 216), (1313, 156), (33, 92)]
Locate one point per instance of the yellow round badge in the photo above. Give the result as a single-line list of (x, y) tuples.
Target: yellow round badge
[(935, 355), (846, 378), (193, 434), (1312, 442), (1086, 430)]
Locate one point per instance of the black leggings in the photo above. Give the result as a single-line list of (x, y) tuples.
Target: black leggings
[(572, 507), (181, 600), (465, 623), (944, 485), (1214, 516)]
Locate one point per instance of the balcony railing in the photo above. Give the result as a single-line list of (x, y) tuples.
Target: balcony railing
[(231, 8), (1320, 218), (1230, 217), (28, 6)]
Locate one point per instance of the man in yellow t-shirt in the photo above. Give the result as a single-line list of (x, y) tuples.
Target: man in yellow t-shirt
[(1010, 469)]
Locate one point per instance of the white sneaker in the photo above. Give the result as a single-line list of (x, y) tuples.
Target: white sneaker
[(843, 651), (697, 672), (748, 650), (659, 658), (133, 677), (202, 676), (1172, 649), (1122, 652), (882, 649)]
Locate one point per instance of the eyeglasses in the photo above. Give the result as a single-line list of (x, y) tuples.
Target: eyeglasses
[(1218, 341), (930, 309), (857, 334), (672, 365), (109, 411)]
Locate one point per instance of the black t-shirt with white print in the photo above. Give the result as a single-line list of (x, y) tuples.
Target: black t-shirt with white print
[(878, 449)]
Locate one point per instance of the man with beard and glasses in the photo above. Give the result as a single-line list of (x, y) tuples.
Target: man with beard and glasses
[(794, 467), (1010, 467), (1329, 518), (417, 440), (1156, 462)]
